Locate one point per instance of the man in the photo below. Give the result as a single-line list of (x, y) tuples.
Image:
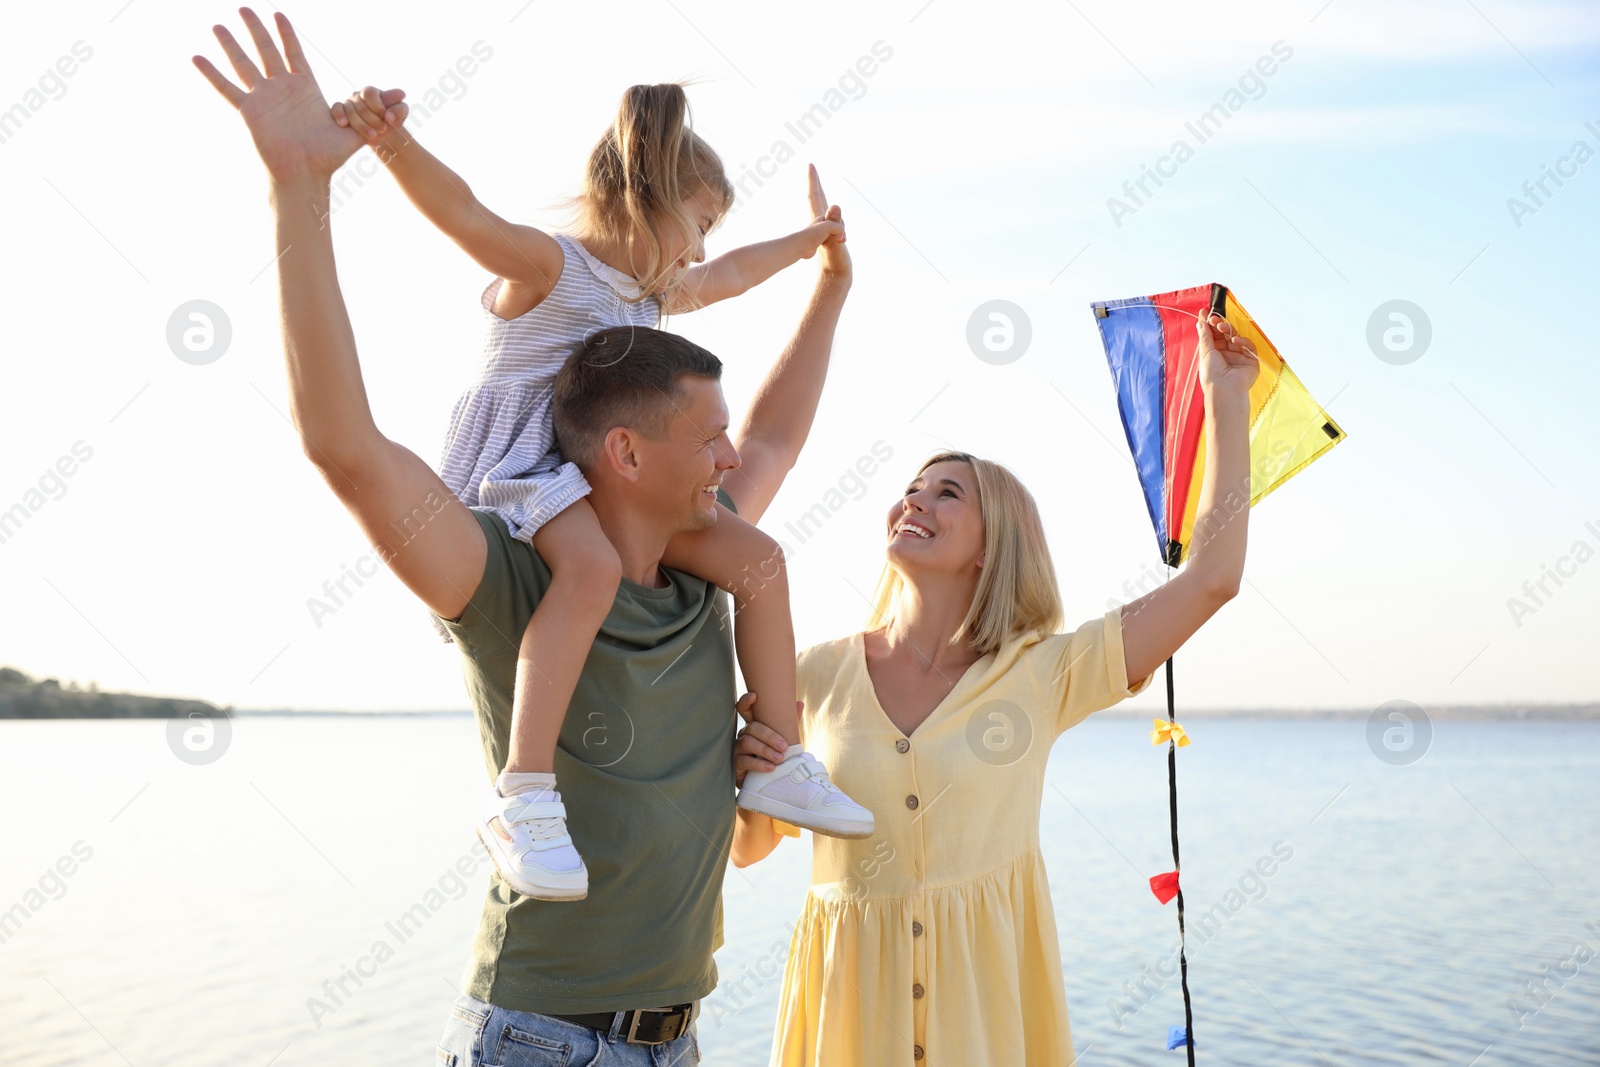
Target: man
[(647, 744)]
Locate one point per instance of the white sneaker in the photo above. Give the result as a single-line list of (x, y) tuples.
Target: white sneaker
[(526, 836), (798, 791)]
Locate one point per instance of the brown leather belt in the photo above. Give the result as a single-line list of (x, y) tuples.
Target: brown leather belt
[(642, 1026)]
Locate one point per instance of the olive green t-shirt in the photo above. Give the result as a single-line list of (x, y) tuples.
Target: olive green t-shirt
[(644, 766)]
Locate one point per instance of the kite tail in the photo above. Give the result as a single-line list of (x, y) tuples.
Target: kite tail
[(1172, 793)]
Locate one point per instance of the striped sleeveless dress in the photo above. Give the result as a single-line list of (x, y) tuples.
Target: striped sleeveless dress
[(501, 454)]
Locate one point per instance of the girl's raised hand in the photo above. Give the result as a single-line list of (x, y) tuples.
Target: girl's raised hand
[(377, 115), (827, 224), (820, 232)]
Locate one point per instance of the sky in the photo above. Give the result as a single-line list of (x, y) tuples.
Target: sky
[(175, 538)]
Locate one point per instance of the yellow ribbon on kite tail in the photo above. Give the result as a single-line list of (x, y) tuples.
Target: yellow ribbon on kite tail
[(1167, 730)]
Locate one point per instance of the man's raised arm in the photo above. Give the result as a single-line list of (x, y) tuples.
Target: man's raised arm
[(419, 528), (780, 417)]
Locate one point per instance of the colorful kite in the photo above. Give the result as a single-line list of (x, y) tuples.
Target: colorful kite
[(1151, 345)]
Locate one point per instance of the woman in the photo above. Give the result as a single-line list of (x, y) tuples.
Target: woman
[(933, 942)]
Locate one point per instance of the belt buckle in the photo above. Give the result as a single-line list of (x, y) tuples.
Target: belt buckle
[(687, 1017)]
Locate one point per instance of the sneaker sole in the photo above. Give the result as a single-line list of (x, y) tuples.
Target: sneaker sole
[(805, 818), (527, 889)]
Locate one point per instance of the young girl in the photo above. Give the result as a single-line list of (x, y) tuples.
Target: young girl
[(652, 191)]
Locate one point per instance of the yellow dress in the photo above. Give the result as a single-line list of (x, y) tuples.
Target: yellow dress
[(933, 943)]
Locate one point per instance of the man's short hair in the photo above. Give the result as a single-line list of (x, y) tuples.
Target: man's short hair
[(624, 376)]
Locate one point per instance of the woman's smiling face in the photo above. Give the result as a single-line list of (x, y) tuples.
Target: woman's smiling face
[(938, 523)]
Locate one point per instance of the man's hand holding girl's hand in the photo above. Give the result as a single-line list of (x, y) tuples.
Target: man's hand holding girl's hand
[(377, 115), (285, 111), (824, 229)]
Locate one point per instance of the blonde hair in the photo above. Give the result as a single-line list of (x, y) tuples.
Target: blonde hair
[(1017, 591), (639, 174)]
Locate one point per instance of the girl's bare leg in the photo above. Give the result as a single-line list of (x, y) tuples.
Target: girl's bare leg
[(525, 828), (743, 561), (585, 573), (748, 564)]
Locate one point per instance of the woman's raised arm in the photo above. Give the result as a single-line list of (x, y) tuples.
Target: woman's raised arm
[(1157, 624)]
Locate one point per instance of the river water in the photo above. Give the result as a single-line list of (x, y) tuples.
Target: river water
[(166, 913)]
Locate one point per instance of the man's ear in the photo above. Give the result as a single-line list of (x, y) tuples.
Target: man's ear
[(620, 453)]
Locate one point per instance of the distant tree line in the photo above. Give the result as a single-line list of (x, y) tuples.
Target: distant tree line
[(23, 698)]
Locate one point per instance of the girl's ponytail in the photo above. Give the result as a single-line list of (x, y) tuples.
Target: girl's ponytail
[(648, 133), (639, 174)]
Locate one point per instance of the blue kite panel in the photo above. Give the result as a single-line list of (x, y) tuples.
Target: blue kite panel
[(1136, 350)]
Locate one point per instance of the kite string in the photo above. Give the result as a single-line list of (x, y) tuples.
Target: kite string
[(1172, 794), (1177, 865)]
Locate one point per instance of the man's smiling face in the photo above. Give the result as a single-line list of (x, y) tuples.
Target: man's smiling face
[(682, 470)]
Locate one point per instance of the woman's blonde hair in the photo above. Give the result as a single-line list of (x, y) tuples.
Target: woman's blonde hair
[(639, 174), (1017, 591)]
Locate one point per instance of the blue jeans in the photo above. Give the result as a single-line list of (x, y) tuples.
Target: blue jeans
[(482, 1035)]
